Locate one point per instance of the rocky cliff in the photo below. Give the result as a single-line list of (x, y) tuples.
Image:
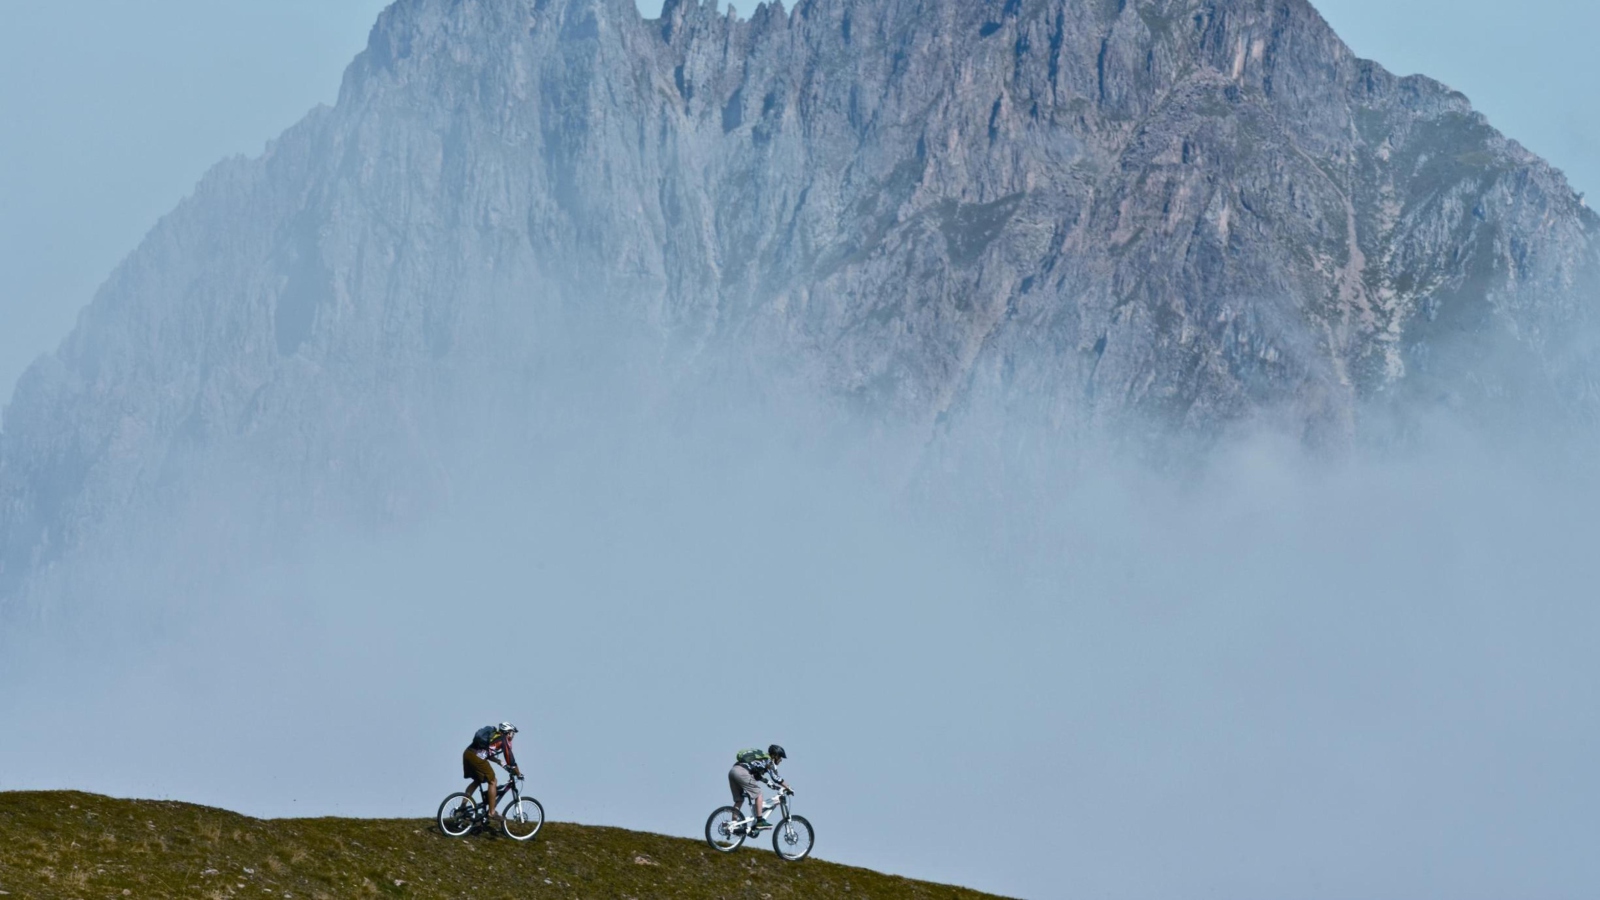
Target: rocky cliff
[(1078, 213)]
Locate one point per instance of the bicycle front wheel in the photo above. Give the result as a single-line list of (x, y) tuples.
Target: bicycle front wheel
[(719, 830), (792, 838), (523, 819), (457, 814)]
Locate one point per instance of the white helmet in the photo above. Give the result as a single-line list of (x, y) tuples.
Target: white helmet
[(507, 728)]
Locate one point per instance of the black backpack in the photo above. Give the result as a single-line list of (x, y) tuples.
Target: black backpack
[(484, 737)]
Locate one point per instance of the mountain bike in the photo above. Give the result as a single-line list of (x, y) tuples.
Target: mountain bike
[(792, 836), (522, 817)]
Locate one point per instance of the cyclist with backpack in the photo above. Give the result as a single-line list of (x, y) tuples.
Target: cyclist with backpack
[(491, 743), (750, 769)]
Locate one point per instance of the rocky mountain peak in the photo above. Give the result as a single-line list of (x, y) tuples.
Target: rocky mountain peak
[(1057, 215)]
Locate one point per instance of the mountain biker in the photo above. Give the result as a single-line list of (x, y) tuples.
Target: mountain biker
[(489, 743), (751, 768)]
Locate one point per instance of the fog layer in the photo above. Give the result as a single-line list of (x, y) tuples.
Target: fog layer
[(1277, 677)]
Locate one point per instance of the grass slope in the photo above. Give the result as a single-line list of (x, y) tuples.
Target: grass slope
[(74, 845)]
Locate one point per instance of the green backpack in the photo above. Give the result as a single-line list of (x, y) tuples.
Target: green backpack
[(751, 755)]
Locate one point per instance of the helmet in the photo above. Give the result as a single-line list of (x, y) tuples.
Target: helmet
[(507, 728), (776, 752)]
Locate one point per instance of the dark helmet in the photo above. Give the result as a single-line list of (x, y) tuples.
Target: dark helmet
[(776, 752)]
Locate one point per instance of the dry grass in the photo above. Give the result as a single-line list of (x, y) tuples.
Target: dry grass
[(71, 845)]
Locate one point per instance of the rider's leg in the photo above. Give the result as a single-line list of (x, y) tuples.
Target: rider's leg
[(739, 784), (477, 768), (493, 801)]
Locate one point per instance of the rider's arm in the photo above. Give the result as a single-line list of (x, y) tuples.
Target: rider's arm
[(511, 758)]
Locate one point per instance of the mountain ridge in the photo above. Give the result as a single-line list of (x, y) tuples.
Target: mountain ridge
[(70, 844)]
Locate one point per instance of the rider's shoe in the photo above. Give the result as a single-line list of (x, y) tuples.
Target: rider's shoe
[(759, 824)]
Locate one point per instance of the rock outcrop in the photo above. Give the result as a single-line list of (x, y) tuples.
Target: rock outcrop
[(1082, 213)]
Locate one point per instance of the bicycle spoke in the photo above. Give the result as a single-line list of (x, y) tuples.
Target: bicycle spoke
[(523, 818), (457, 815), (792, 839), (720, 832)]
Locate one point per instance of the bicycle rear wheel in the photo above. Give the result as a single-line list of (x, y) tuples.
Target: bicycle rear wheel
[(792, 838), (523, 819), (719, 830), (457, 814)]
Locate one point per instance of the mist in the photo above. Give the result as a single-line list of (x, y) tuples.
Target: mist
[(1270, 673)]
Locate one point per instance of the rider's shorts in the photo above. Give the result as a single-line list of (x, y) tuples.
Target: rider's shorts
[(743, 785), (475, 766)]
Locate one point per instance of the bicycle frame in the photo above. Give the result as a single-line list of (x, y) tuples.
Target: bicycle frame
[(507, 794), (783, 804)]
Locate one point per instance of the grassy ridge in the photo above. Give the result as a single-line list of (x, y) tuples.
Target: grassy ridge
[(71, 845)]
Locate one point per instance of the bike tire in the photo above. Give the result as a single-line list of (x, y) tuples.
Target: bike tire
[(457, 815), (793, 838), (523, 819), (719, 831)]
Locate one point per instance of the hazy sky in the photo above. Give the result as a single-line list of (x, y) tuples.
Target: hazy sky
[(112, 110)]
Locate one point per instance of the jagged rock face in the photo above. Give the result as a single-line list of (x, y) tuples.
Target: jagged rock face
[(1080, 212)]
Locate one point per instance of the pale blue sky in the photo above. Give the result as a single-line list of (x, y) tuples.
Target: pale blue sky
[(113, 109)]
